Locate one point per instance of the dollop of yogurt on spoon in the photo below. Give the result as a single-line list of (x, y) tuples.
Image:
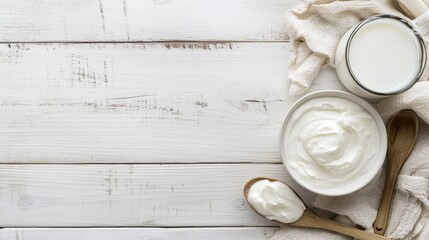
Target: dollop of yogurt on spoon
[(276, 201)]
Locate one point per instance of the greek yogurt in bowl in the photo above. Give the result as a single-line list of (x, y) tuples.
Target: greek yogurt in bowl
[(333, 143)]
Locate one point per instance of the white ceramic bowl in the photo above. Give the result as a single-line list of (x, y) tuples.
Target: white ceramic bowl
[(361, 180)]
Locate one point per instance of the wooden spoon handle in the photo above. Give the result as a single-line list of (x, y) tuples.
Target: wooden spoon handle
[(383, 212), (312, 220)]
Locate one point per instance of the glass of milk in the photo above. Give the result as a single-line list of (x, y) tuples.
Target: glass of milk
[(381, 56)]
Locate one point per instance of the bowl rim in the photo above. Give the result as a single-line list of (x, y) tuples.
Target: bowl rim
[(378, 163)]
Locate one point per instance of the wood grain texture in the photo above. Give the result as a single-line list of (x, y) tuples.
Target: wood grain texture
[(243, 233), (146, 103), (131, 195), (142, 20)]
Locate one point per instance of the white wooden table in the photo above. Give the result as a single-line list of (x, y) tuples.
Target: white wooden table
[(140, 119)]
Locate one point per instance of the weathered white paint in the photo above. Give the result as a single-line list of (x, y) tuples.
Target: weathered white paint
[(192, 102), (131, 195), (232, 233), (142, 20), (144, 103)]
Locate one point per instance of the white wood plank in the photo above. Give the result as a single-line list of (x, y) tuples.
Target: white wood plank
[(193, 102), (141, 102), (243, 233), (142, 20), (131, 195)]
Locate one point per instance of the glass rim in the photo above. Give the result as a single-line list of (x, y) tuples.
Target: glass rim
[(422, 53)]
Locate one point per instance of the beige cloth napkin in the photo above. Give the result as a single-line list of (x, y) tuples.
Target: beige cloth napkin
[(315, 28)]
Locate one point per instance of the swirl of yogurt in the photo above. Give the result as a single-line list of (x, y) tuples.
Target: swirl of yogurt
[(275, 201), (330, 142)]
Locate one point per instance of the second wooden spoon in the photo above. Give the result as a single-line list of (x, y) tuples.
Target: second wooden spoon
[(402, 132), (310, 219)]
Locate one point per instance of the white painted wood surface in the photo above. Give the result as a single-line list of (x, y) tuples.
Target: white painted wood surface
[(119, 82), (142, 102), (243, 233), (142, 20), (112, 103), (131, 195)]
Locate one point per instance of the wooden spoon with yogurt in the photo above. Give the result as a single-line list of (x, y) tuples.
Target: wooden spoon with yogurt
[(311, 220), (402, 132)]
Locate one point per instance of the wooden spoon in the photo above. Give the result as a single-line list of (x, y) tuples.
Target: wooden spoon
[(402, 132), (311, 220)]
